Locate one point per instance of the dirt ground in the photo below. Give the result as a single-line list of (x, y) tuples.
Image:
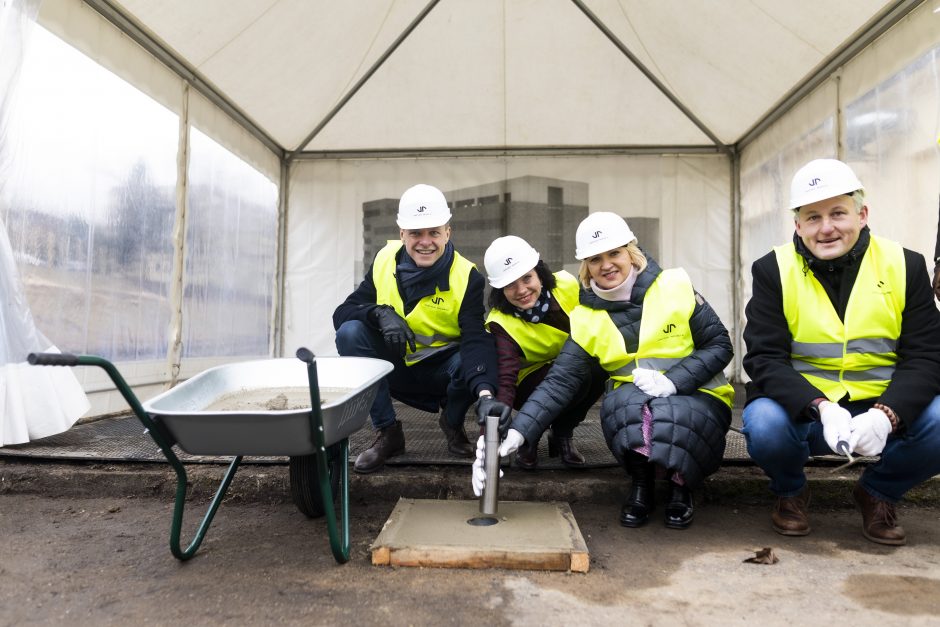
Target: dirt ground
[(105, 561)]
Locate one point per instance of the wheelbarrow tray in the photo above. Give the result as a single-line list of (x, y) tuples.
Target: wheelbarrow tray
[(181, 411)]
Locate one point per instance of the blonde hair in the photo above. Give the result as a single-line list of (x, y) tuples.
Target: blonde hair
[(858, 197), (637, 259)]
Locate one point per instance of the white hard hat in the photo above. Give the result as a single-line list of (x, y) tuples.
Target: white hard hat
[(821, 179), (422, 207), (507, 259), (600, 232)]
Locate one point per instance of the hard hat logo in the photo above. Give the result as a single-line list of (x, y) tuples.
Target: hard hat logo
[(508, 261), (814, 182), (597, 234), (422, 209)]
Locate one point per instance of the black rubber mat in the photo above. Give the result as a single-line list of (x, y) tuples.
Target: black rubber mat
[(123, 438)]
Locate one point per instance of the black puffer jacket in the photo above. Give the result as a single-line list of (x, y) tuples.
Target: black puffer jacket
[(689, 428)]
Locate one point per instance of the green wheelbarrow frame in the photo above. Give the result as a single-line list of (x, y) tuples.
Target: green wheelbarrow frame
[(339, 542)]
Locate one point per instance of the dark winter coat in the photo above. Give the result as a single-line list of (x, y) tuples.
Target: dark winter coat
[(916, 379), (689, 427)]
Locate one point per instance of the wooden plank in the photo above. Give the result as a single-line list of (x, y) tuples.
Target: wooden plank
[(381, 556)]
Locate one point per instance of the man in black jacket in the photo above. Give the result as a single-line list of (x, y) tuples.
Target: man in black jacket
[(420, 307), (843, 349)]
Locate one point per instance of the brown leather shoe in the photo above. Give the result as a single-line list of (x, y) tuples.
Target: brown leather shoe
[(879, 519), (389, 442), (564, 446), (789, 517), (457, 441)]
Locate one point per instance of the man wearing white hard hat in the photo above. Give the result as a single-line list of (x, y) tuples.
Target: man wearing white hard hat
[(420, 307), (528, 317), (843, 349), (663, 349)]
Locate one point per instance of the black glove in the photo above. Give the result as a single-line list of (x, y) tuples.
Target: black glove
[(936, 280), (489, 406), (395, 331)]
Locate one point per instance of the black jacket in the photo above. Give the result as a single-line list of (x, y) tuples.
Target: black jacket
[(916, 379), (689, 428), (477, 351)]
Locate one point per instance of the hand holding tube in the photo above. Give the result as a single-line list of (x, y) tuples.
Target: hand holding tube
[(836, 425)]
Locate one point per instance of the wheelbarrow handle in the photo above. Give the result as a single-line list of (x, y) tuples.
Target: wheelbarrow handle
[(52, 359)]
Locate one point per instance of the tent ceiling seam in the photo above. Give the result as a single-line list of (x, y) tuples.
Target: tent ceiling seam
[(649, 75), (365, 78), (851, 48), (181, 68)]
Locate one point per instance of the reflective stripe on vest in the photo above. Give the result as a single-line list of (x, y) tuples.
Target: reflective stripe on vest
[(665, 337), (434, 318), (540, 343), (855, 357)]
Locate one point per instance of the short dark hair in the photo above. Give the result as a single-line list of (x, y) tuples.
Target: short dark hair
[(499, 301)]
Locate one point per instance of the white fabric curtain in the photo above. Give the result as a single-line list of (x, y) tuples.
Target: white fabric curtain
[(34, 401)]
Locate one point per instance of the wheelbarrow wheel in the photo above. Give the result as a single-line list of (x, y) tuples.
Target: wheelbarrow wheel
[(305, 480)]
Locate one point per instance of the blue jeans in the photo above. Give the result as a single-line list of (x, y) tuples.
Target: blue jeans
[(781, 446), (431, 384)]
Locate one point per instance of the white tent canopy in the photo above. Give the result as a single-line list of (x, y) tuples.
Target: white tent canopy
[(512, 73), (688, 116)]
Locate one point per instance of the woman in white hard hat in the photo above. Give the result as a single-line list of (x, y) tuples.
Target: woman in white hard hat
[(529, 307), (668, 405)]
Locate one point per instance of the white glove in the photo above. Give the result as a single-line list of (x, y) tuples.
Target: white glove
[(836, 425), (511, 444), (870, 432), (478, 479), (653, 382)]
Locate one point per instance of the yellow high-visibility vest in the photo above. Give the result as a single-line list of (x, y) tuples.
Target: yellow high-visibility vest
[(856, 357), (434, 318), (665, 337), (540, 343)]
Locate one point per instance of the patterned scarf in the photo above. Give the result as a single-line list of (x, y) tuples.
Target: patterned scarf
[(537, 311)]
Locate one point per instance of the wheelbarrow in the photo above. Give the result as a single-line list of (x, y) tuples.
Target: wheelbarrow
[(314, 437)]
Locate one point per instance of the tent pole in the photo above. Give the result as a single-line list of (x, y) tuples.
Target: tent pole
[(277, 326), (736, 271)]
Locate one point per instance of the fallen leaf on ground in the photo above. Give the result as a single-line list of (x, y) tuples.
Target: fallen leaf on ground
[(763, 556)]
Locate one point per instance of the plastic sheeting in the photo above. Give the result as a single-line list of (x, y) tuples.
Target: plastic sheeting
[(35, 402), (231, 246)]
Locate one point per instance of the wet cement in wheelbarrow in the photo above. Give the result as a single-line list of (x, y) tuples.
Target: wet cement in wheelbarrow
[(273, 399)]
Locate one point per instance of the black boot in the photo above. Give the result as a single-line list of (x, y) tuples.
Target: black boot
[(636, 511), (388, 443), (564, 445), (457, 441), (679, 510), (527, 456)]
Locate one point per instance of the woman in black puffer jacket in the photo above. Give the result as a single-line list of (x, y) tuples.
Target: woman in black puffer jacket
[(668, 405)]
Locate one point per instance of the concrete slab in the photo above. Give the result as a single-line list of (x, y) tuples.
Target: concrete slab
[(437, 533)]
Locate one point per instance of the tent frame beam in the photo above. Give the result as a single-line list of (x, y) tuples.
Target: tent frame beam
[(650, 76), (363, 79), (869, 32), (507, 151), (167, 57)]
